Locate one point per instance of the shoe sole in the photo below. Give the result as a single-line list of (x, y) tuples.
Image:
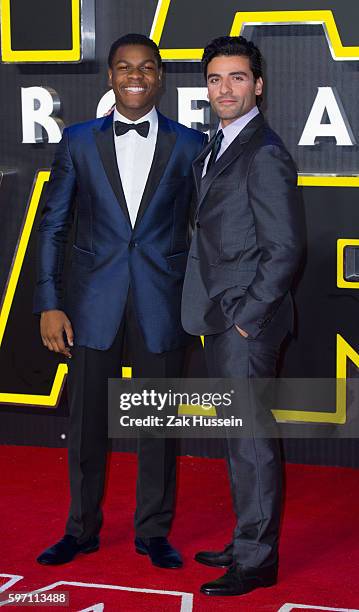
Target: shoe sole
[(258, 586), (209, 564), (141, 551)]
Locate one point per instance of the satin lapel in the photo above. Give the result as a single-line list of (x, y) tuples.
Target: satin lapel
[(106, 146), (166, 140), (230, 155)]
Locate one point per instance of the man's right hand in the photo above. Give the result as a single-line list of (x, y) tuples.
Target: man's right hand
[(53, 325)]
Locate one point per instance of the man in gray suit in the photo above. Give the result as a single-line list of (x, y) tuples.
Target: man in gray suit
[(246, 247)]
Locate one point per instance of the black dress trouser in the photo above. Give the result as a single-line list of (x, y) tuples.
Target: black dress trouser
[(89, 370)]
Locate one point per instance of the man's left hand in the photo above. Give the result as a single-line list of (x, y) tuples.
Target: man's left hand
[(242, 332)]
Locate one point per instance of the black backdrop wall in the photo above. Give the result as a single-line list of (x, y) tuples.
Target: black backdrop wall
[(312, 84)]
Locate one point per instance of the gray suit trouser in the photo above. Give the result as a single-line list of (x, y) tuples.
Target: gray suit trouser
[(254, 462)]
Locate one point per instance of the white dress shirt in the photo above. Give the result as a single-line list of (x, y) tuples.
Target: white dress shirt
[(230, 132), (134, 155)]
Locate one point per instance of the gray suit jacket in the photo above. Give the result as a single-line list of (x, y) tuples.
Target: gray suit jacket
[(248, 236)]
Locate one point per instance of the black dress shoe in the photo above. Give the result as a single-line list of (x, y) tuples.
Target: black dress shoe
[(223, 558), (66, 549), (238, 581), (160, 552)]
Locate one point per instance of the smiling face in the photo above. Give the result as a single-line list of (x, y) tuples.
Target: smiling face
[(135, 79), (232, 89)]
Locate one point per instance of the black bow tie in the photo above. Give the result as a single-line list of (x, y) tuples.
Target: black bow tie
[(141, 128)]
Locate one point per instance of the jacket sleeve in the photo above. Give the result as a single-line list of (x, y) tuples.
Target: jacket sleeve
[(54, 229), (279, 225)]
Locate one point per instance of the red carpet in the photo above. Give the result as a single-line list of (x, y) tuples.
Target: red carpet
[(319, 545)]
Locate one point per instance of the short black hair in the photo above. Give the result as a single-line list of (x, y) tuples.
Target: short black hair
[(233, 45), (134, 39)]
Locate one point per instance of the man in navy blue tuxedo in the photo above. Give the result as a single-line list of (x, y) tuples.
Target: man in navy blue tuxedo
[(125, 183)]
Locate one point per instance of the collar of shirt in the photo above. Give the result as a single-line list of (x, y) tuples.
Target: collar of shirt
[(151, 116), (231, 131)]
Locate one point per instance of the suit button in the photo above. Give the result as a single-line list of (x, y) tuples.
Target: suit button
[(133, 245), (198, 224)]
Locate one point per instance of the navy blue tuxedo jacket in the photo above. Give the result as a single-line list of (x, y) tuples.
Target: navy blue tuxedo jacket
[(108, 255)]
